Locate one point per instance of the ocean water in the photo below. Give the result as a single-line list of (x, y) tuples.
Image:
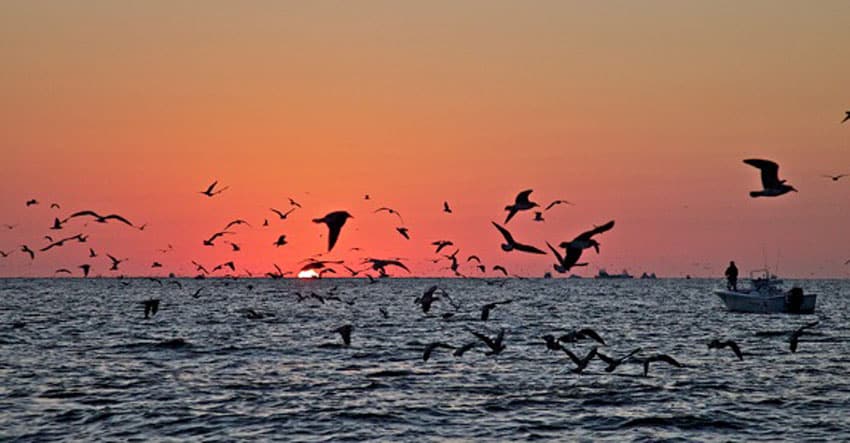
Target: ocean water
[(79, 362)]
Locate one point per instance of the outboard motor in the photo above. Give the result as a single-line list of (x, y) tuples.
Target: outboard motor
[(794, 300)]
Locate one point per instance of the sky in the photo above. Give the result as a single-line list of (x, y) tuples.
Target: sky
[(638, 112)]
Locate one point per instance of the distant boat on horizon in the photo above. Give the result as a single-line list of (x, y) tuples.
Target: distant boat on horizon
[(605, 275)]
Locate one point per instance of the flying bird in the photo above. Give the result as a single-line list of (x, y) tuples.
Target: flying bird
[(538, 216), (210, 241), (473, 257), (581, 363), (496, 345), (390, 211), (846, 116), (92, 254), (404, 232), (235, 223), (835, 178), (156, 264), (380, 265), (795, 336), (211, 191), (551, 343), (115, 262), (345, 332), (717, 344), (86, 268), (585, 239), (446, 208), (57, 224), (32, 202), (440, 244), (294, 203), (281, 241), (773, 186), (567, 261), (485, 310), (26, 249), (151, 307), (501, 269), (511, 244), (283, 215), (557, 202), (62, 271), (334, 221), (521, 203), (99, 218)]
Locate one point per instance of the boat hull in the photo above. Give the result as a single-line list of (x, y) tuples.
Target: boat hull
[(766, 304)]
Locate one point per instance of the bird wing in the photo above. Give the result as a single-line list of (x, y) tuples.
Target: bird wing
[(487, 340), (522, 197), (396, 263), (473, 257), (500, 269), (83, 214), (528, 248), (605, 358), (279, 214), (210, 188), (769, 172), (119, 218), (333, 234), (556, 253), (505, 233), (736, 349), (592, 334), (596, 230), (572, 356), (665, 358)]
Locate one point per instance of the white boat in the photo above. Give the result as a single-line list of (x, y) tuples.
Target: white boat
[(765, 296)]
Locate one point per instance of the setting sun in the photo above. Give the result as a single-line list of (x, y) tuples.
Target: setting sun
[(308, 274)]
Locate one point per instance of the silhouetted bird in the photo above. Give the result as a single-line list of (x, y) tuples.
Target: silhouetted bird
[(557, 202), (236, 222), (151, 307), (834, 178), (501, 269), (485, 310), (32, 202), (294, 203), (717, 344), (281, 241), (282, 215), (613, 363), (99, 218), (473, 258), (211, 191), (345, 332), (210, 241), (86, 268), (403, 231), (511, 244), (521, 203), (773, 186), (334, 221), (846, 116), (57, 224), (795, 336), (585, 239), (551, 343), (390, 211), (446, 208), (427, 298), (92, 254), (115, 262), (440, 244), (658, 358), (566, 262), (156, 264), (26, 249), (581, 363), (538, 216), (496, 345)]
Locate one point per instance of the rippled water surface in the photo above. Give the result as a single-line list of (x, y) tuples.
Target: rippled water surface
[(78, 361)]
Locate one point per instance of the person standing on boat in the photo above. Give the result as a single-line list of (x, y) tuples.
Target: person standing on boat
[(732, 276)]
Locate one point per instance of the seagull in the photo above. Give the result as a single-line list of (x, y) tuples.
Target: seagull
[(501, 269), (9, 227), (366, 197), (211, 191), (835, 178), (115, 262), (345, 332), (197, 293), (566, 262), (281, 241), (62, 271), (209, 241), (55, 206), (31, 202), (57, 224), (229, 264), (538, 216), (717, 344), (613, 363), (427, 298), (151, 307), (236, 222), (335, 221), (585, 239), (773, 186), (485, 310), (581, 363), (293, 202), (199, 267), (581, 334), (496, 346), (521, 203), (99, 218), (511, 244), (432, 346), (655, 358), (390, 211), (379, 265), (795, 336), (446, 208), (26, 249), (440, 244), (5, 254), (235, 247), (403, 231), (86, 268), (557, 202), (846, 116), (156, 264), (283, 215), (473, 257)]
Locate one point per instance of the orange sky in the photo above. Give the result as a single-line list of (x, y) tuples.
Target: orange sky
[(639, 112)]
